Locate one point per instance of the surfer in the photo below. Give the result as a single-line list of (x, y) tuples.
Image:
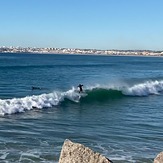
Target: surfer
[(33, 88), (80, 88)]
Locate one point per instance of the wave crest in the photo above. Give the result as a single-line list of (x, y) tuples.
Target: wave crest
[(91, 94), (144, 89)]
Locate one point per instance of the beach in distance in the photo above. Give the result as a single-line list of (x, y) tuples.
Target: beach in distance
[(119, 114), (80, 51)]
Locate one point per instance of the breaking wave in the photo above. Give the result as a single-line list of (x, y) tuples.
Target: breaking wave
[(96, 93)]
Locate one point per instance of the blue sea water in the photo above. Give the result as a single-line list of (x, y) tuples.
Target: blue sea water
[(119, 114)]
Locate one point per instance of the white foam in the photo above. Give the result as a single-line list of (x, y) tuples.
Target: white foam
[(16, 105), (144, 89), (4, 155)]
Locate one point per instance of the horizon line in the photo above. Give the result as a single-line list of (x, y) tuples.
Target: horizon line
[(80, 48)]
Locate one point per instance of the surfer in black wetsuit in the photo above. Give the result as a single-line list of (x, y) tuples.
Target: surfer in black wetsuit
[(34, 88), (80, 88)]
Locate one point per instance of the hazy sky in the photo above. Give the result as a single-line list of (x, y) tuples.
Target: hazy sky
[(98, 24)]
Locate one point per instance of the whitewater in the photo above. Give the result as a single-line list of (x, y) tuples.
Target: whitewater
[(17, 105)]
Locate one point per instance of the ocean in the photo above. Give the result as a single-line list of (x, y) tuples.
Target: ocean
[(119, 114)]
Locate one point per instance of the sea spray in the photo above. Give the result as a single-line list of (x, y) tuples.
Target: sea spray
[(17, 105), (91, 94), (144, 89)]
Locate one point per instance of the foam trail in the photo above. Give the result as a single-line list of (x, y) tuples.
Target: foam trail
[(144, 89), (93, 93), (17, 105)]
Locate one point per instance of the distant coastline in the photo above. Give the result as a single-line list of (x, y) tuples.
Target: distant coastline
[(35, 50)]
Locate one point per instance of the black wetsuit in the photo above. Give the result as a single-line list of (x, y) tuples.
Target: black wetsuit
[(80, 87)]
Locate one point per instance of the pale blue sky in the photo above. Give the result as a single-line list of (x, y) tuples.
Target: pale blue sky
[(97, 24)]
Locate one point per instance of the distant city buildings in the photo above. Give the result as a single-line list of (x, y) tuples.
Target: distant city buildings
[(11, 49)]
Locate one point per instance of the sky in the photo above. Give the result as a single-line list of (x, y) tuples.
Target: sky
[(85, 24)]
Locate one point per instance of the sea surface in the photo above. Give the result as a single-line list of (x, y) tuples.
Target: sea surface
[(119, 114)]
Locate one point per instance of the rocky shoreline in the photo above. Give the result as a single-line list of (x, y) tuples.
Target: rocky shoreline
[(77, 153)]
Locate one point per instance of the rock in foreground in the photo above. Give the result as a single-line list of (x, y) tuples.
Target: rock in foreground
[(78, 153), (159, 158)]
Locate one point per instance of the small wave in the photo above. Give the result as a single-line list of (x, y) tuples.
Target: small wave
[(102, 94), (17, 105), (144, 89), (91, 94)]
